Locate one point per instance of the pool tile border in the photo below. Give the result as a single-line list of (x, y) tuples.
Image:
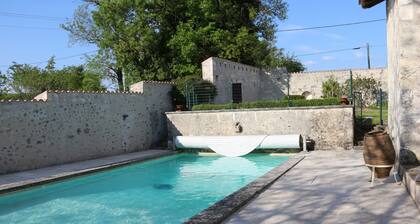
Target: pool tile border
[(224, 208), (22, 185)]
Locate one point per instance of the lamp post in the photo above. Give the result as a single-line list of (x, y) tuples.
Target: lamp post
[(367, 53), (288, 90)]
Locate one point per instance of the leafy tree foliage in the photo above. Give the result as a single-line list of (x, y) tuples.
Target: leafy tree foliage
[(25, 78), (163, 40), (368, 87), (291, 63), (3, 83), (331, 88), (83, 30)]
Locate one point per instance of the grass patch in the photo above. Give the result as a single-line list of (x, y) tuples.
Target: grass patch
[(373, 112), (361, 124)]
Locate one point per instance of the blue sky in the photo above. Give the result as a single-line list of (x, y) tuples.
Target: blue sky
[(28, 45), (307, 13)]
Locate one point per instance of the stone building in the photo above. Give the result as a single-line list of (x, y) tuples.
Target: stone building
[(236, 82)]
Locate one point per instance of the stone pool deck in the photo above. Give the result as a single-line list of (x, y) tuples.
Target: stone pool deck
[(330, 187), (16, 181)]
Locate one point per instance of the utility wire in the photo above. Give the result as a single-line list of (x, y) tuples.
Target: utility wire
[(329, 51), (29, 16), (330, 26), (29, 27), (337, 50), (57, 59)]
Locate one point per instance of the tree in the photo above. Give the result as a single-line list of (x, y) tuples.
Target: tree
[(3, 83), (104, 63), (163, 40), (331, 88), (368, 87), (83, 30), (291, 63), (31, 79)]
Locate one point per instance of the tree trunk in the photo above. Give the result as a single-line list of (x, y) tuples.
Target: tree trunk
[(120, 79)]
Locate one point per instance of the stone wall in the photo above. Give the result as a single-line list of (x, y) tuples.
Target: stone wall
[(310, 83), (404, 76), (63, 127), (330, 127), (259, 84), (256, 83)]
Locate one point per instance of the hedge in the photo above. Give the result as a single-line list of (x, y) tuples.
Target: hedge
[(296, 97), (268, 104), (18, 96)]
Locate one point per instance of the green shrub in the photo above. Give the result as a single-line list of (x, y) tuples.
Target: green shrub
[(296, 97), (331, 88), (202, 91), (268, 104), (18, 96), (368, 87)]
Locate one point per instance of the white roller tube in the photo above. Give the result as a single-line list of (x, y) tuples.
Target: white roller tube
[(238, 145)]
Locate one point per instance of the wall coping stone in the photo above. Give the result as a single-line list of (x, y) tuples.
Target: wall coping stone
[(336, 70), (43, 97), (263, 109)]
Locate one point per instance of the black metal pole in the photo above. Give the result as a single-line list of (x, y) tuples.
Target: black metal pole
[(380, 107), (351, 87), (368, 55), (288, 89)]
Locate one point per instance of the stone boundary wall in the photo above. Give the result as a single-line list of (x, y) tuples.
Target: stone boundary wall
[(331, 127), (311, 82), (68, 126), (271, 84)]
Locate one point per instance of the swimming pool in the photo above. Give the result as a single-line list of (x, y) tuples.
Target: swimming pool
[(166, 190)]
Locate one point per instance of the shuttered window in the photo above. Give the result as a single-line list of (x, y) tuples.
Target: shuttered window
[(236, 92)]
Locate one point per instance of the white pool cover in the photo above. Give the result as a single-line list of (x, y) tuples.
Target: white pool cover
[(238, 145)]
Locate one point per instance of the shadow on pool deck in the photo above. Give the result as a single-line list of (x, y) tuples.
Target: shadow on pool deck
[(330, 187)]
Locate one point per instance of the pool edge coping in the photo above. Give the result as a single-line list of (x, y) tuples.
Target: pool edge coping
[(223, 209), (22, 185)]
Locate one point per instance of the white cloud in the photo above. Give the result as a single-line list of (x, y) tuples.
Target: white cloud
[(310, 62), (327, 58), (359, 54), (334, 36), (306, 48)]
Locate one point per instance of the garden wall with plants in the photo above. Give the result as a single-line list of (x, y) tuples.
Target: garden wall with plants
[(310, 83)]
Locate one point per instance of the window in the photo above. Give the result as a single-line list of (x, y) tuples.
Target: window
[(236, 92)]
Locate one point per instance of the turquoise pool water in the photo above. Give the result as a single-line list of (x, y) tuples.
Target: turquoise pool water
[(166, 190)]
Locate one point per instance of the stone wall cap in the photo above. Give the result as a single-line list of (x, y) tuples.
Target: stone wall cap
[(21, 101), (159, 82), (93, 92), (336, 70), (263, 109)]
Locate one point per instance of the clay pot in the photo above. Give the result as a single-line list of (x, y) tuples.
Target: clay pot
[(378, 150), (179, 107), (344, 100)]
